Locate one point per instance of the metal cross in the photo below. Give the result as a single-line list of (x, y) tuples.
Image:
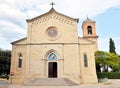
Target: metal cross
[(52, 4)]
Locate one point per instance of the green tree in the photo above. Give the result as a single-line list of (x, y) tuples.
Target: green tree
[(114, 62), (105, 60), (112, 46), (101, 58), (5, 59)]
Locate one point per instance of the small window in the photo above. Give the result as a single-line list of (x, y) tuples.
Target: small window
[(52, 56), (20, 60), (89, 29), (85, 60)]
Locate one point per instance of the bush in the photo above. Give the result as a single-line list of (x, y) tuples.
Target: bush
[(109, 75), (4, 76)]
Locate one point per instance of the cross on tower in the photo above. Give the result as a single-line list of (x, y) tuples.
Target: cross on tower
[(52, 4)]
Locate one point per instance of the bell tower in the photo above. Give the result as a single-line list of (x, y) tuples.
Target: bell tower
[(89, 31)]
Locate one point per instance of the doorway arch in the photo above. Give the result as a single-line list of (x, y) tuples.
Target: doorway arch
[(53, 57), (52, 65)]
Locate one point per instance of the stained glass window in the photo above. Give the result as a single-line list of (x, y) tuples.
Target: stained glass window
[(52, 32), (52, 56)]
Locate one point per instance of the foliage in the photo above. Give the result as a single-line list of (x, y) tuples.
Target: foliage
[(101, 75), (105, 60), (5, 59), (109, 75), (4, 76), (112, 46)]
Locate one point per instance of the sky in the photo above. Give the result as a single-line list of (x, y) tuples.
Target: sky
[(106, 13)]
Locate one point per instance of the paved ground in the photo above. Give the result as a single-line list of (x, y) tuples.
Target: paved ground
[(110, 84), (50, 82), (3, 84)]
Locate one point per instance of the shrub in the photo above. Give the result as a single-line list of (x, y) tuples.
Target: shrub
[(4, 76), (109, 75)]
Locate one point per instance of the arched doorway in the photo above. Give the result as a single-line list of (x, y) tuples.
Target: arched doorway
[(52, 70), (52, 65)]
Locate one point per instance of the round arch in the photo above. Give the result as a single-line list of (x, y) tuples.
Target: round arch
[(89, 29)]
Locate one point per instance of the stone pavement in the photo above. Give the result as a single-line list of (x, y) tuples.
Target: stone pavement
[(50, 82), (114, 83), (3, 84)]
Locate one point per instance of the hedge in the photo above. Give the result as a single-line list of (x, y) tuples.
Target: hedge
[(109, 75)]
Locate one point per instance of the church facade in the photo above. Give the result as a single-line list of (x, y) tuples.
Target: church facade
[(52, 49)]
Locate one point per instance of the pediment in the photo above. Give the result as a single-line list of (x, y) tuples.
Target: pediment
[(84, 41), (52, 14)]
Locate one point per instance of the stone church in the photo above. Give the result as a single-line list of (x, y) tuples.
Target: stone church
[(53, 49)]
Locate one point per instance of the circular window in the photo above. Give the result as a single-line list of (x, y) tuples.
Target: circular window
[(52, 32)]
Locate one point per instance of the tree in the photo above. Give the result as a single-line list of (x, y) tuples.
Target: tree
[(114, 62), (101, 58), (106, 60), (5, 59), (112, 46)]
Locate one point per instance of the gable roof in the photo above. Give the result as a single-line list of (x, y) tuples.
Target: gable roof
[(20, 41), (52, 10)]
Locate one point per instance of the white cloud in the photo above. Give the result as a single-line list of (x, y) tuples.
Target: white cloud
[(82, 8), (32, 13), (13, 13), (11, 27), (5, 44), (2, 38)]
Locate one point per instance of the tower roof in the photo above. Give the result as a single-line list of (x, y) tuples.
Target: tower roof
[(88, 20)]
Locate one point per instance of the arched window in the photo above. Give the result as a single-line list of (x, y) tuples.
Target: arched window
[(89, 29), (52, 56), (20, 60), (85, 60)]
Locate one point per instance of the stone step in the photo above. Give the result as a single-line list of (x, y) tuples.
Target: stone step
[(50, 82)]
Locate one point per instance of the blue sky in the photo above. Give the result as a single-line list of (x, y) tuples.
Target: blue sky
[(106, 13), (108, 26)]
